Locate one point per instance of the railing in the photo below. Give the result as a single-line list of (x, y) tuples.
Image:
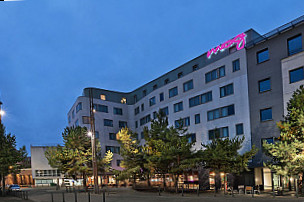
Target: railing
[(276, 31)]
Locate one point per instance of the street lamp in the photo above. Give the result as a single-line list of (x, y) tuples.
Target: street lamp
[(92, 132)]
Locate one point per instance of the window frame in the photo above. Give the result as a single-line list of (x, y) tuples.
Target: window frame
[(259, 82), (291, 38), (261, 114), (295, 70), (261, 51)]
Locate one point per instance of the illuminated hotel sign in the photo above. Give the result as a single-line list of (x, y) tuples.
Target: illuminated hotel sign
[(239, 40)]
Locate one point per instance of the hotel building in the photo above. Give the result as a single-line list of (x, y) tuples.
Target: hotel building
[(238, 89)]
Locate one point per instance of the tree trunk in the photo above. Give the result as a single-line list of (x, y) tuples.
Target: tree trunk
[(84, 182), (3, 185), (164, 181), (148, 178), (176, 183)]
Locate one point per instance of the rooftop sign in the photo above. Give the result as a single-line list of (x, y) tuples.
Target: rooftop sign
[(239, 40)]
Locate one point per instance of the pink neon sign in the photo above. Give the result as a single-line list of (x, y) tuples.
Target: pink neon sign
[(239, 40)]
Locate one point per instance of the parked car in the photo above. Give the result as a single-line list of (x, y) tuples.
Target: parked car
[(14, 187)]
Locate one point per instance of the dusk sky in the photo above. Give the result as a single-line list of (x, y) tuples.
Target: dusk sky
[(52, 49)]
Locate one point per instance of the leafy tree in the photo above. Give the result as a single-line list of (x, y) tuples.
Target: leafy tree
[(169, 150), (75, 157), (222, 155), (134, 156), (10, 156), (287, 154)]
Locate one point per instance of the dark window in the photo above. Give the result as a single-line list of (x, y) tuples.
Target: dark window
[(136, 124), (142, 135), (178, 107), (164, 111), (79, 107), (226, 90), (135, 98), (144, 93), (191, 138), (101, 108), (180, 123), (152, 101), (262, 55), (206, 97), (239, 129), (294, 45), (161, 97), (180, 75), (236, 65), (122, 124), (154, 115), (195, 67), (220, 112), (118, 162), (115, 150), (155, 87), (215, 74), (142, 107), (145, 120), (232, 49), (266, 114), (296, 75), (166, 81), (194, 101), (117, 111), (200, 99), (264, 85), (112, 136), (96, 134), (86, 120), (268, 140), (188, 85), (173, 92), (197, 118), (108, 122), (136, 110), (218, 133)]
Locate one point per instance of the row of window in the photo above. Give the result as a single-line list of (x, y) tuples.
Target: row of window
[(113, 149), (223, 132), (294, 45), (47, 173), (109, 123)]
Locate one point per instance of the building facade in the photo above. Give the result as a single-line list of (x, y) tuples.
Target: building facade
[(237, 89)]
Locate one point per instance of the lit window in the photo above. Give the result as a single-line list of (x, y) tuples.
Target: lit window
[(262, 55), (294, 45), (123, 100), (102, 97), (296, 75), (264, 85)]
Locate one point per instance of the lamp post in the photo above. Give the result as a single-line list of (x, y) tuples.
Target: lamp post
[(93, 140)]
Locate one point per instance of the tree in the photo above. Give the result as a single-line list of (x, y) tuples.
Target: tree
[(75, 157), (222, 155), (134, 156), (10, 156), (287, 154), (169, 150)]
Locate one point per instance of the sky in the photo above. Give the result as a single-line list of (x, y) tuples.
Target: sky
[(50, 50)]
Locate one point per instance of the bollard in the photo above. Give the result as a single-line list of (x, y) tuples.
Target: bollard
[(52, 197), (252, 192), (182, 190), (232, 194), (89, 197), (63, 199), (75, 193), (158, 190), (104, 196)]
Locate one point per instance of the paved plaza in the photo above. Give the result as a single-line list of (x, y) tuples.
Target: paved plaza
[(129, 195)]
